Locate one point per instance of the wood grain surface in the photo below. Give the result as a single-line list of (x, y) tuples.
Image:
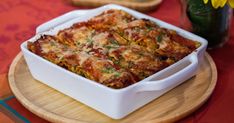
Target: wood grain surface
[(57, 107), (143, 6)]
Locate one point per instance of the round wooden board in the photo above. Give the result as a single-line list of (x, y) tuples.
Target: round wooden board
[(57, 107), (140, 6)]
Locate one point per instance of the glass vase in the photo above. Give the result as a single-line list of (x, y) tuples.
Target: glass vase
[(206, 21)]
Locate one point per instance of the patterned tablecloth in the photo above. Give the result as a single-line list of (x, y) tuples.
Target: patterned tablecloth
[(19, 18)]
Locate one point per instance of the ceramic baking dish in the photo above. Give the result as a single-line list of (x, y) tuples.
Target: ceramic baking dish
[(115, 103)]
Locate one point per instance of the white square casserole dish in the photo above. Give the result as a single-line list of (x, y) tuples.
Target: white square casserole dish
[(115, 103)]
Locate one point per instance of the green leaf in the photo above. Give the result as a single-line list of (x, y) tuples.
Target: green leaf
[(159, 37), (150, 28), (108, 69), (117, 74), (89, 40), (117, 62), (113, 41)]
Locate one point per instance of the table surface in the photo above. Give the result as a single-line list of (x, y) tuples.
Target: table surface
[(19, 19)]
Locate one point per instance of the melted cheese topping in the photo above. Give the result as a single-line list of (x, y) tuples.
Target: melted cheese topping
[(100, 40), (83, 56), (113, 48)]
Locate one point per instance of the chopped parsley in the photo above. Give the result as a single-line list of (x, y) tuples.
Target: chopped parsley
[(143, 75), (121, 34), (113, 41), (111, 46), (149, 28), (117, 62), (108, 47), (138, 29), (130, 64), (93, 33), (89, 40), (108, 69), (117, 74), (61, 58), (159, 37), (52, 43), (75, 51), (77, 43), (66, 46), (141, 53)]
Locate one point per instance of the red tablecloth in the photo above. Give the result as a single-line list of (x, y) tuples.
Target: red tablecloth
[(19, 18)]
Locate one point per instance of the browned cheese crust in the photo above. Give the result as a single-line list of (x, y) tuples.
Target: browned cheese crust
[(114, 48)]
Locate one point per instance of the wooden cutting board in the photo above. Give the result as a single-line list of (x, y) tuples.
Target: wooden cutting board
[(57, 107), (140, 5)]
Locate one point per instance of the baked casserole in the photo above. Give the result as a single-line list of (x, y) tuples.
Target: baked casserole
[(114, 48)]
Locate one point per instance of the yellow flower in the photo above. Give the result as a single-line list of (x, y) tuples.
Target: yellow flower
[(220, 3)]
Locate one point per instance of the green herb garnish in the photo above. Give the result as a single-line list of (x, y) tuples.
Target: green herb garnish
[(111, 46), (150, 28), (113, 41), (77, 43), (117, 74), (52, 43), (138, 30), (93, 33), (108, 47), (159, 37), (108, 70), (89, 40), (117, 62), (121, 34), (130, 64)]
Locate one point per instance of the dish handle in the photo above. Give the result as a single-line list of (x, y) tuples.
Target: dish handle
[(59, 20), (167, 80)]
